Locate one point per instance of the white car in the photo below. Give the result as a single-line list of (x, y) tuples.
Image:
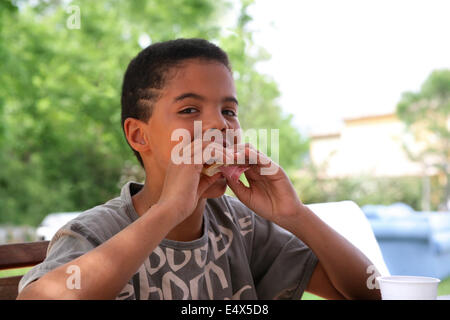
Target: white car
[(52, 223)]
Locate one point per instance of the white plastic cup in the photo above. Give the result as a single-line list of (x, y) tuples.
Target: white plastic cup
[(408, 288)]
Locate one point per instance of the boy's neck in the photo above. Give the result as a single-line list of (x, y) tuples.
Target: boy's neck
[(191, 228), (188, 230)]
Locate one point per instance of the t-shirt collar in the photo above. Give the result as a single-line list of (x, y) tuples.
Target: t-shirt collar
[(131, 188)]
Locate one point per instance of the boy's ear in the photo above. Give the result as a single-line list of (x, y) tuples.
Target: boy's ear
[(135, 134)]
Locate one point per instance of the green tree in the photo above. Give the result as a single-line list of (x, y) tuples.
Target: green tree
[(61, 143), (362, 189), (427, 116)]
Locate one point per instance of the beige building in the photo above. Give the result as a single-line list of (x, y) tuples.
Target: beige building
[(371, 145)]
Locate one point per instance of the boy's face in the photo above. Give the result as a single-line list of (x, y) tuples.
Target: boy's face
[(197, 91)]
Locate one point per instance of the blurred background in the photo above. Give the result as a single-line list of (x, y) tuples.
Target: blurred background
[(360, 91)]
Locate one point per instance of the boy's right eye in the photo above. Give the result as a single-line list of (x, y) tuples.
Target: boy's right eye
[(188, 111)]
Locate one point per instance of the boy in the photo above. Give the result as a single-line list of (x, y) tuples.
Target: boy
[(177, 236)]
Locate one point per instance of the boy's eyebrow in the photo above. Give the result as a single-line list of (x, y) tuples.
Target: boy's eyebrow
[(189, 95), (202, 98), (230, 99)]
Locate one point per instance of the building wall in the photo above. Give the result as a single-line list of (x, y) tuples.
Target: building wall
[(369, 145)]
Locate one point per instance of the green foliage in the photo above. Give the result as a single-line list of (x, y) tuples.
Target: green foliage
[(363, 190), (61, 143), (427, 116), (430, 106)]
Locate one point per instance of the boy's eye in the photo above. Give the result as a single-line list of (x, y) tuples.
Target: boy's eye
[(229, 113), (188, 111)]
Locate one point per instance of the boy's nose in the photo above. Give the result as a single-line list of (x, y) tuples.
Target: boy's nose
[(215, 123)]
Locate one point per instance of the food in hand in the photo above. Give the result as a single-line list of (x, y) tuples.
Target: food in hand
[(228, 170)]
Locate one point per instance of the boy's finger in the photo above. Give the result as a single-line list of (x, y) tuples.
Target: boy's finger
[(247, 154), (216, 153), (206, 182), (239, 189)]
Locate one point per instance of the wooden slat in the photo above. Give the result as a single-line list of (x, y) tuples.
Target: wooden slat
[(18, 255), (9, 288)]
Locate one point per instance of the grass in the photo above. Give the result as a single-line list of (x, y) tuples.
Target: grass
[(13, 272), (443, 290), (444, 287), (310, 296)]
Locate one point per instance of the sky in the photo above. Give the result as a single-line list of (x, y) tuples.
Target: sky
[(343, 59)]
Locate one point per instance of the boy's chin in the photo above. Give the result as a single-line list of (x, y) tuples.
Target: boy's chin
[(217, 189)]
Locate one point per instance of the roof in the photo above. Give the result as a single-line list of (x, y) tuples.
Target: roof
[(325, 135), (371, 117)]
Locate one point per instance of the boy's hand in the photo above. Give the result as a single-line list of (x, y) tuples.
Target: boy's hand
[(271, 194), (184, 184)]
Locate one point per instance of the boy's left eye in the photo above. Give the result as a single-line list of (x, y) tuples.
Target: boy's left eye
[(191, 110), (229, 113)]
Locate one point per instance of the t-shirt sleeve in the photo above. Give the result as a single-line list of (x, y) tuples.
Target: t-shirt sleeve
[(65, 246), (281, 263)]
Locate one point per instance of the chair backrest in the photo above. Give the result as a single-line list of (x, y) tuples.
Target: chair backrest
[(18, 255), (347, 218)]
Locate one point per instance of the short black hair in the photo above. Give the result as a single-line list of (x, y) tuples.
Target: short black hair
[(146, 74)]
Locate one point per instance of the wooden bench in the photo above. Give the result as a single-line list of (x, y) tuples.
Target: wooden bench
[(18, 255)]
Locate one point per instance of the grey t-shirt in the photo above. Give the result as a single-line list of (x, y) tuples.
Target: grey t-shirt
[(239, 256)]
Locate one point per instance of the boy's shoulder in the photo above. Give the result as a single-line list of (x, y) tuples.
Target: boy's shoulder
[(102, 222), (99, 223)]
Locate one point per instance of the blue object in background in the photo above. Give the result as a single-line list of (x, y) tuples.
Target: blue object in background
[(412, 242)]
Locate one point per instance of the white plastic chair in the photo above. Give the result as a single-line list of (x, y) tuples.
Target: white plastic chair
[(347, 218)]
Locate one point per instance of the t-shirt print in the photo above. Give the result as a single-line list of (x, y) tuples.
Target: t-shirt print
[(239, 255), (199, 271)]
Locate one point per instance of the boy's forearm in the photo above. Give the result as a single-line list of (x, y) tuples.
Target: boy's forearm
[(105, 270), (345, 265)]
